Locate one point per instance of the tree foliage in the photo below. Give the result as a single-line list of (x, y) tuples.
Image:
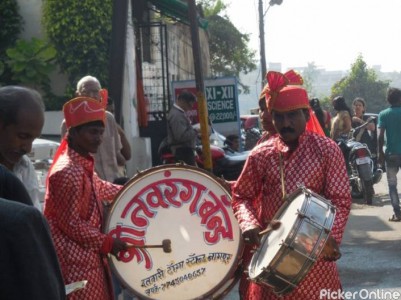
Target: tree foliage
[(31, 62), (81, 33), (11, 26), (229, 52), (362, 82)]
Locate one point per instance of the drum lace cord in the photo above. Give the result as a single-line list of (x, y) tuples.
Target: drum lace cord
[(282, 176)]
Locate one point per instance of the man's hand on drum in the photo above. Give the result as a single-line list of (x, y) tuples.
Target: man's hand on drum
[(331, 251), (118, 245), (252, 236)]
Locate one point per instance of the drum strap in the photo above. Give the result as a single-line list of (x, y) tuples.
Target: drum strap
[(282, 176), (99, 206)]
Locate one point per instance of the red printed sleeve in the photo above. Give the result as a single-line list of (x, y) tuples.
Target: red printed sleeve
[(70, 203), (105, 190), (337, 189), (244, 192)]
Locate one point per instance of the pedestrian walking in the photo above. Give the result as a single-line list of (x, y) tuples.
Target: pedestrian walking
[(389, 129)]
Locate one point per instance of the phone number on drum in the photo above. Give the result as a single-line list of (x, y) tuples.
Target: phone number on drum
[(176, 281)]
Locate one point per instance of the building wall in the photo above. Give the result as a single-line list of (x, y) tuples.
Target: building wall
[(181, 61), (31, 11)]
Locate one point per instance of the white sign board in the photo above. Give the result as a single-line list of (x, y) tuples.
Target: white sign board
[(222, 102)]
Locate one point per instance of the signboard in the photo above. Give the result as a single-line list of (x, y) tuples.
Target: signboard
[(222, 102)]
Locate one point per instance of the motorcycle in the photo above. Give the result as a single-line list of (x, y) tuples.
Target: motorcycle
[(360, 166), (223, 165), (228, 166)]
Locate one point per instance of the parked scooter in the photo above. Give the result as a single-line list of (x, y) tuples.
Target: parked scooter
[(227, 166), (360, 166)]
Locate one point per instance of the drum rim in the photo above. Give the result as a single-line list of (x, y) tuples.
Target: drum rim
[(145, 172), (234, 270), (277, 215)]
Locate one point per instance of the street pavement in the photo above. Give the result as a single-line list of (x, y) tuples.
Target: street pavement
[(371, 246), (370, 266)]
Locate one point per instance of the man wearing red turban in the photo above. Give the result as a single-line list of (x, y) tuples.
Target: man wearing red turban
[(73, 204), (276, 167)]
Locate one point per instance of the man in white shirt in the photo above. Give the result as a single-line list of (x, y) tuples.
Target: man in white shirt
[(25, 171)]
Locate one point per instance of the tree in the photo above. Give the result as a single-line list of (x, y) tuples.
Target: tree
[(11, 26), (81, 33), (229, 52), (31, 62), (362, 82)]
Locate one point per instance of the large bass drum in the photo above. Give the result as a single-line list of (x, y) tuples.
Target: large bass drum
[(189, 207)]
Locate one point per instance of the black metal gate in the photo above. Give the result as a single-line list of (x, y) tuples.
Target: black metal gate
[(153, 54)]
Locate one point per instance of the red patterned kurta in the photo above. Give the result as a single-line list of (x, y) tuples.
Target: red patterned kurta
[(318, 164), (75, 217)]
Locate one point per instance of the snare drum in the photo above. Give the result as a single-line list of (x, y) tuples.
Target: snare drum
[(188, 206), (286, 255)]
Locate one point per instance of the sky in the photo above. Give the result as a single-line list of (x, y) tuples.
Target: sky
[(329, 33)]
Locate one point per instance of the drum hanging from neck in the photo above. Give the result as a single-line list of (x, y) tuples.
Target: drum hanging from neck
[(287, 254)]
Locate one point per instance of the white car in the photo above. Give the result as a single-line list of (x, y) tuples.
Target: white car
[(43, 149), (41, 156)]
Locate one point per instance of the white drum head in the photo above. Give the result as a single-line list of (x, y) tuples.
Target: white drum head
[(272, 243), (187, 206)]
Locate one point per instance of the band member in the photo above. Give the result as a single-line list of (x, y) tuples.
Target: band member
[(73, 202), (111, 153), (275, 168)]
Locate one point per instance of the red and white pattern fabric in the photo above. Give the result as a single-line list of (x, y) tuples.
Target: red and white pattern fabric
[(318, 164), (74, 211)]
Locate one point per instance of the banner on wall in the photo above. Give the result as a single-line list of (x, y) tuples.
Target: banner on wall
[(222, 102)]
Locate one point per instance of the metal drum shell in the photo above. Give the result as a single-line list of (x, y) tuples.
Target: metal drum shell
[(289, 254)]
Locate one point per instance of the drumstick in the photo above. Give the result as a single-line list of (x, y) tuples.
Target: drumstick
[(273, 225), (166, 245)]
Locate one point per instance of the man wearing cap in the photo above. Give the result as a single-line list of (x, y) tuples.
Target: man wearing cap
[(109, 156), (73, 202), (275, 168)]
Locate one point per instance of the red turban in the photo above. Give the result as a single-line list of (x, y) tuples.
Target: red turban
[(82, 110), (284, 93)]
